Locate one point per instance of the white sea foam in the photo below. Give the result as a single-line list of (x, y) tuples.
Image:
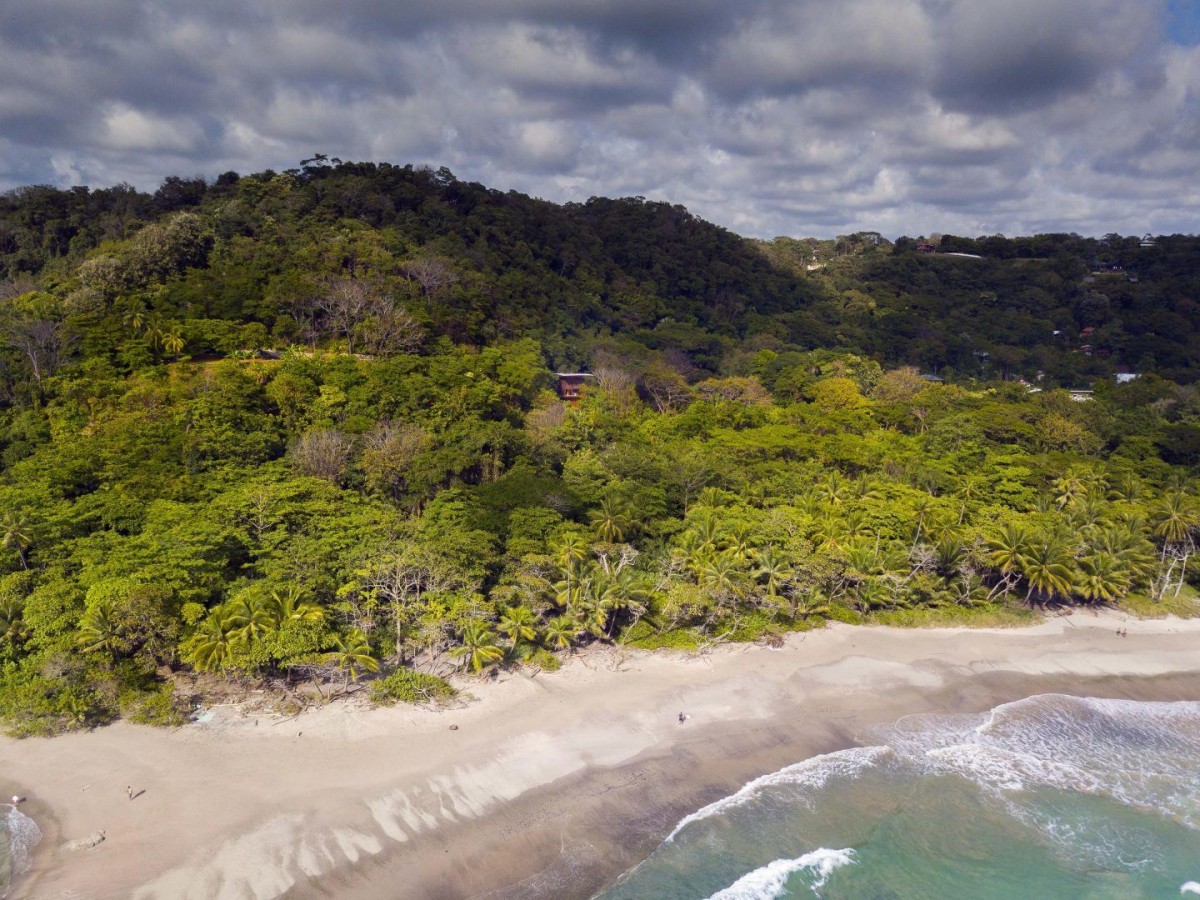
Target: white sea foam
[(1191, 887), (811, 773), (22, 835), (1144, 755), (769, 881)]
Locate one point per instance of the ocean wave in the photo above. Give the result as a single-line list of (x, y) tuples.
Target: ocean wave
[(769, 881), (811, 773), (22, 835), (1191, 887), (1142, 754), (1099, 732)]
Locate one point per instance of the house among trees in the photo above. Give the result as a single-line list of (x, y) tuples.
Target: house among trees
[(570, 385), (1148, 241)]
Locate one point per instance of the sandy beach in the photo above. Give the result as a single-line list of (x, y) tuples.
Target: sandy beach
[(551, 785)]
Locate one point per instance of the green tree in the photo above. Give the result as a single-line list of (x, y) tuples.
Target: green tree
[(352, 654), (1047, 570), (14, 534), (478, 649), (612, 520), (519, 625)]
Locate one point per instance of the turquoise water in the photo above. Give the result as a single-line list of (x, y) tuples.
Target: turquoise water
[(1049, 797), (18, 836)]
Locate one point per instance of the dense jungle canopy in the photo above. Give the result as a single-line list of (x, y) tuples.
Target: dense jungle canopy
[(302, 426)]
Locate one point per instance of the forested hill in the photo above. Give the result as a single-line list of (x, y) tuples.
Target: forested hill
[(630, 277), (296, 430)]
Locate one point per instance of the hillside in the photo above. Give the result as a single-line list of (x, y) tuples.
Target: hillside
[(299, 428)]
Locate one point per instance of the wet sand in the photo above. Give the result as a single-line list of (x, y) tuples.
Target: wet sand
[(551, 786)]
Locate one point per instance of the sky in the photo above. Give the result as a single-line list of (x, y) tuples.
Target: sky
[(769, 117)]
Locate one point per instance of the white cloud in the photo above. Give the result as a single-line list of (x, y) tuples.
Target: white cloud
[(125, 128)]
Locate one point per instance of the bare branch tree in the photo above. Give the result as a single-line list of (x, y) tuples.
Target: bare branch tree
[(343, 303), (324, 454), (43, 343), (433, 273)]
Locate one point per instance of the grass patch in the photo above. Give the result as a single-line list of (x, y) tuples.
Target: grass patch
[(1185, 606), (990, 615), (409, 686), (645, 637)]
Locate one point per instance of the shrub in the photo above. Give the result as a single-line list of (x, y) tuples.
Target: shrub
[(408, 686), (160, 707), (543, 659)]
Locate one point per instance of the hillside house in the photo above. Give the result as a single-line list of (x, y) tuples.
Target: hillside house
[(570, 385)]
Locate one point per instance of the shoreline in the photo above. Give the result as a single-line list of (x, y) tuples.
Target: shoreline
[(553, 784)]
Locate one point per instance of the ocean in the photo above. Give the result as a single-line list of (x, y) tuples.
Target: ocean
[(1053, 796), (19, 834)]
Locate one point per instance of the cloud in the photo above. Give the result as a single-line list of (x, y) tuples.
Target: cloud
[(767, 116), (1023, 53)]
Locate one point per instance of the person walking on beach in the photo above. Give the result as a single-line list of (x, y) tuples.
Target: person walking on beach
[(129, 791)]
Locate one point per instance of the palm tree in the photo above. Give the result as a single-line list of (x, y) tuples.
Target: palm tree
[(561, 632), (923, 510), (249, 620), (289, 606), (352, 654), (1129, 546), (14, 533), (1008, 548), (1070, 488), (706, 529), (154, 327), (1047, 571), (864, 487), (518, 624), (810, 603), (1127, 487), (774, 568), (570, 551), (737, 541), (1088, 513), (478, 648), (620, 592), (720, 575), (135, 317), (969, 489), (12, 620), (711, 496), (949, 554), (99, 631), (834, 489), (212, 648), (612, 520), (1102, 577), (829, 531), (172, 340), (1175, 517)]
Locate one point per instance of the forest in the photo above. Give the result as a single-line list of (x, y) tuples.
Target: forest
[(300, 429)]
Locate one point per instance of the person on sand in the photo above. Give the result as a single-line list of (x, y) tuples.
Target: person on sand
[(682, 718), (129, 791)]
